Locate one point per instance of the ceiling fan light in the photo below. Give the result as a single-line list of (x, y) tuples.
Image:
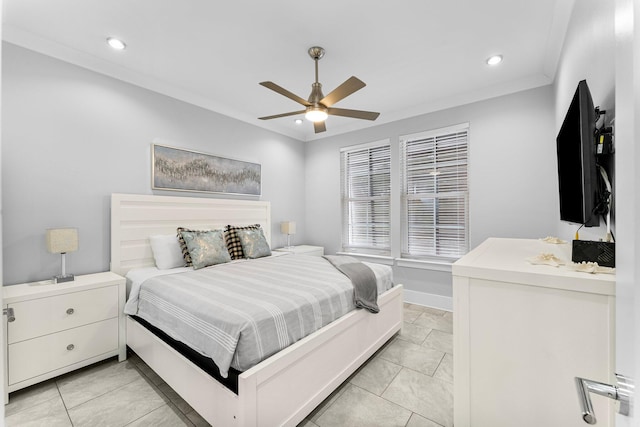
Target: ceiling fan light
[(316, 114)]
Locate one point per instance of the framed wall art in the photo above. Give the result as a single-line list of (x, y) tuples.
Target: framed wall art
[(178, 169)]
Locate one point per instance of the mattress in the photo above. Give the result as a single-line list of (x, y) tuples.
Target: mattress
[(241, 313)]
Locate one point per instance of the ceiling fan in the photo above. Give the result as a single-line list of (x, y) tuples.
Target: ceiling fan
[(318, 106)]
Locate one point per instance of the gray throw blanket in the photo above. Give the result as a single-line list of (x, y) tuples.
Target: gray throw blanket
[(363, 279)]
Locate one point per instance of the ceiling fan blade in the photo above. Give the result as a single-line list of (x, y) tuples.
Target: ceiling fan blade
[(282, 91), (356, 114), (351, 85), (292, 113), (319, 127)]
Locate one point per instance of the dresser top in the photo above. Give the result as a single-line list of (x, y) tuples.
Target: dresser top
[(505, 260), (45, 288)]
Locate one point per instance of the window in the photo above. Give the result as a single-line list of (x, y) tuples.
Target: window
[(435, 198), (366, 186)]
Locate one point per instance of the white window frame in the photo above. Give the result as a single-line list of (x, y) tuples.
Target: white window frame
[(348, 246), (437, 255)]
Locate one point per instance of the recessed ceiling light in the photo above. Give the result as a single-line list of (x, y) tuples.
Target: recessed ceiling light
[(298, 121), (117, 44), (494, 60)]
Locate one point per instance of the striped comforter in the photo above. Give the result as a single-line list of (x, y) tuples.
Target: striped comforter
[(241, 313)]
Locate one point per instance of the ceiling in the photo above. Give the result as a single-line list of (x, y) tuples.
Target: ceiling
[(415, 56)]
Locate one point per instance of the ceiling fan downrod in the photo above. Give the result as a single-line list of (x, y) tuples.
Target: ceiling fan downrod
[(316, 53)]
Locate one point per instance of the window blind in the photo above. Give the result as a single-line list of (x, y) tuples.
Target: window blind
[(435, 198), (366, 187)]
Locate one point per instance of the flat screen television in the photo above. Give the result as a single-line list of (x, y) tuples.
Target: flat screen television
[(577, 169)]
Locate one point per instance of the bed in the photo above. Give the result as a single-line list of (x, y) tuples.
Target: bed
[(284, 388)]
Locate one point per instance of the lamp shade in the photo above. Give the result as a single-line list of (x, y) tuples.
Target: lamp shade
[(62, 240), (288, 227)]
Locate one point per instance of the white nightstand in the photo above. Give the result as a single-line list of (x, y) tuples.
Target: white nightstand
[(303, 249), (62, 327)]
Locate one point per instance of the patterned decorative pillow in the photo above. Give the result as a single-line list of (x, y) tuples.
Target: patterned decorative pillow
[(254, 244), (206, 247), (183, 246), (233, 241)]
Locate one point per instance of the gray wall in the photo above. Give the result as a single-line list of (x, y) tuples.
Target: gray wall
[(71, 137), (512, 174)]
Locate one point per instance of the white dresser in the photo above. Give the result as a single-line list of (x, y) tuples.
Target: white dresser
[(522, 332), (61, 327)]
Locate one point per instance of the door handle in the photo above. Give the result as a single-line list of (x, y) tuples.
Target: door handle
[(621, 392)]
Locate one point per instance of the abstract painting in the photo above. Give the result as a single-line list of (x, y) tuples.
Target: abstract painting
[(185, 170)]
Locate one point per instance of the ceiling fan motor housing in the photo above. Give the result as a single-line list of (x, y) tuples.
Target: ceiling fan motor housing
[(316, 94)]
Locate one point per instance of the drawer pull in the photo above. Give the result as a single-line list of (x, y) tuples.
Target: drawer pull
[(70, 311), (71, 347), (9, 313)]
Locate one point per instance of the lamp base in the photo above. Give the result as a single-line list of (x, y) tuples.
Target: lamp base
[(64, 278)]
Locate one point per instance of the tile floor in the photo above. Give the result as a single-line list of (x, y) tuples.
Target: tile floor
[(409, 382)]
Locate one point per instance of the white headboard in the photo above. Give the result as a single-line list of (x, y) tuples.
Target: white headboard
[(135, 217)]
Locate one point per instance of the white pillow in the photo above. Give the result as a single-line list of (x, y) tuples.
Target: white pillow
[(166, 251)]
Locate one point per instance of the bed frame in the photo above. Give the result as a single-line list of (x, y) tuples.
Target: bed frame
[(281, 390)]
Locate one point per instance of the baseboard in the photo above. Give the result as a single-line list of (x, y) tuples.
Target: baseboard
[(428, 300)]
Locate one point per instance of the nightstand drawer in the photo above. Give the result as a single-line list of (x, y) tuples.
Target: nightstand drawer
[(44, 316), (28, 359)]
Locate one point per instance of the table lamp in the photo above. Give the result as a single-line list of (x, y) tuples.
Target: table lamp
[(288, 228), (60, 241)]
